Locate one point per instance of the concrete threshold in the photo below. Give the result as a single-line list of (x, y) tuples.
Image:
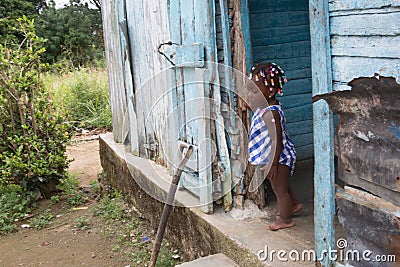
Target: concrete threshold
[(198, 234)]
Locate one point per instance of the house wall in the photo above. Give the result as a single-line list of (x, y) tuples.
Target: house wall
[(148, 27), (365, 39)]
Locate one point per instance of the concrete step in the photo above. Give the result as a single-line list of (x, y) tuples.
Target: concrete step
[(219, 260)]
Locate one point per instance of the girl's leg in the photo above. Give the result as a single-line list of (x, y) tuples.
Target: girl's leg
[(280, 185), (296, 205)]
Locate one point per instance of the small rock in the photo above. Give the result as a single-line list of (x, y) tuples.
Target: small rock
[(93, 256), (25, 226)]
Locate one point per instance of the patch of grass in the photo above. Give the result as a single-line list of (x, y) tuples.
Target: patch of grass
[(82, 96), (82, 223), (70, 187), (109, 208), (54, 200), (13, 207), (134, 240), (95, 187), (42, 220)]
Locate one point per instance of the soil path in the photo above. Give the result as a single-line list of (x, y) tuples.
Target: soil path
[(62, 244)]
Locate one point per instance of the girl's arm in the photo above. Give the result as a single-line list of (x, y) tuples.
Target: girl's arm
[(272, 120)]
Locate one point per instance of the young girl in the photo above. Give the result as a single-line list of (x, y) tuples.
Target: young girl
[(269, 144)]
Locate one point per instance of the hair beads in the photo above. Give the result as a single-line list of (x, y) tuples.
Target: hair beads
[(271, 73)]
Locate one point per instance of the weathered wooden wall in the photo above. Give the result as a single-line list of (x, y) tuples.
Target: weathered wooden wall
[(365, 38), (280, 32), (115, 69), (148, 27)]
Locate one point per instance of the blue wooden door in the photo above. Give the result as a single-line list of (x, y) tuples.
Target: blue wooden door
[(191, 27), (280, 33)]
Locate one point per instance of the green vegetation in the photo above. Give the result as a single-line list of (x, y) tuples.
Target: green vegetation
[(33, 136), (82, 97), (42, 220), (12, 207), (74, 33), (10, 11), (134, 239), (70, 187), (82, 223)]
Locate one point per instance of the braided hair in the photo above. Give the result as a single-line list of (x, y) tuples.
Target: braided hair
[(272, 74)]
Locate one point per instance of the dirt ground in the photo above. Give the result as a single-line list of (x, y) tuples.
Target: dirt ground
[(62, 244)]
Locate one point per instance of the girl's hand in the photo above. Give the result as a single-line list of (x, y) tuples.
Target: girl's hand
[(273, 172)]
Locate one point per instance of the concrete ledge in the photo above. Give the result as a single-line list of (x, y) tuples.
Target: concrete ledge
[(188, 228)]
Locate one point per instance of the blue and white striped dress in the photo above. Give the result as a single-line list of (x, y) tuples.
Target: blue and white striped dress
[(260, 141)]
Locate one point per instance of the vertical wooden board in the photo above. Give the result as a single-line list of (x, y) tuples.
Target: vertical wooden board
[(129, 119), (136, 39), (158, 87), (205, 33), (188, 32), (115, 78), (205, 158), (245, 21), (226, 76), (324, 184)]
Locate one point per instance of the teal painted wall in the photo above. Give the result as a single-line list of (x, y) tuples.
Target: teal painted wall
[(280, 32)]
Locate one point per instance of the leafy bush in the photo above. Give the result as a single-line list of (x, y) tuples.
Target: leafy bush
[(13, 207), (33, 136), (82, 96)]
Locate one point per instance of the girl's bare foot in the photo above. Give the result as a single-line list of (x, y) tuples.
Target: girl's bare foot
[(280, 224), (296, 208)]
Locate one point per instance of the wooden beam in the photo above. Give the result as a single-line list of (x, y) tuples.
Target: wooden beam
[(245, 15), (324, 205)]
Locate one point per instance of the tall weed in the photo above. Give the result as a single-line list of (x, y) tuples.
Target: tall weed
[(82, 95)]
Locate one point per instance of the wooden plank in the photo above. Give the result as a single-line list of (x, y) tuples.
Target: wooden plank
[(348, 68), (286, 19), (372, 46), (300, 86), (291, 64), (360, 25), (130, 117), (245, 21), (302, 140), (279, 35), (118, 99), (289, 50), (293, 101), (324, 179), (304, 152), (205, 33), (259, 6), (335, 5), (230, 121), (134, 10), (301, 113), (300, 127)]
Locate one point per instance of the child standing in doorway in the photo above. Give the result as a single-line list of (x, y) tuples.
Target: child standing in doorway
[(269, 145)]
